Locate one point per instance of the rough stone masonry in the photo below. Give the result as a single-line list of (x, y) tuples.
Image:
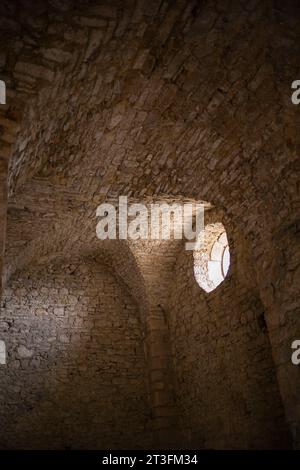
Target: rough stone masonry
[(113, 344)]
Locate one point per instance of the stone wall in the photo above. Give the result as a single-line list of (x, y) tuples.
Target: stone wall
[(75, 374), (165, 98), (227, 391)]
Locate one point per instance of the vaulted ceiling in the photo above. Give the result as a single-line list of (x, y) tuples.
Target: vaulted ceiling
[(147, 99)]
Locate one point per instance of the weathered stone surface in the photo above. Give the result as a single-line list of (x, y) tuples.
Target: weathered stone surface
[(154, 99), (24, 353), (86, 377)]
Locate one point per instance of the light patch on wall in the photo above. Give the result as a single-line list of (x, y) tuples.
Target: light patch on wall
[(2, 92), (2, 352)]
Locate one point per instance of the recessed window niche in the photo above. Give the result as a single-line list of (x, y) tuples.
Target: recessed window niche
[(2, 353), (211, 257)]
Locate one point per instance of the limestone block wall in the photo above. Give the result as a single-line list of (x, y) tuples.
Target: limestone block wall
[(75, 372), (227, 391), (280, 293), (163, 98)]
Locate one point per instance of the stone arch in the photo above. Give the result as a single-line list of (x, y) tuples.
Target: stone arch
[(182, 109), (39, 49), (75, 339), (116, 253)]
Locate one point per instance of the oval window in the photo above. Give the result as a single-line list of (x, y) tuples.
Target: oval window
[(211, 257)]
